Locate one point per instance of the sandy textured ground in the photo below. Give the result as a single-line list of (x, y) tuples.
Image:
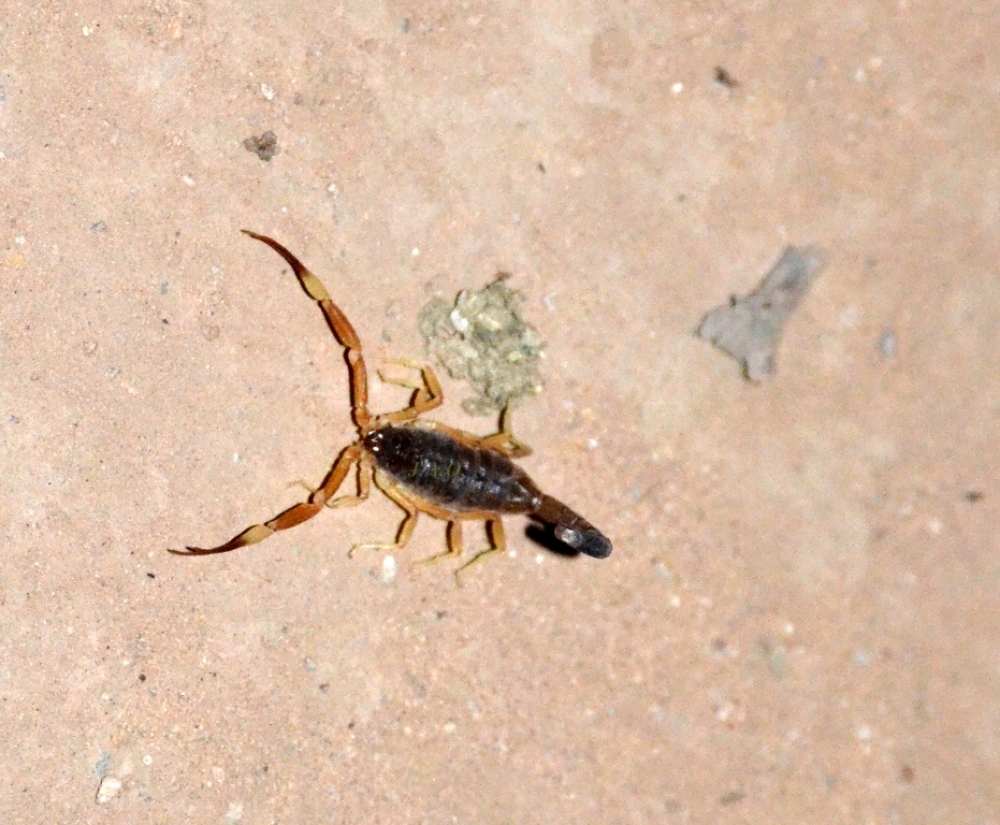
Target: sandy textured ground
[(800, 619)]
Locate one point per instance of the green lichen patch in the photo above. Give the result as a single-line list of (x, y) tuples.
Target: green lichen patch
[(482, 338)]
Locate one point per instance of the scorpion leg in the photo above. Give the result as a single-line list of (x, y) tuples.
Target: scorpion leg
[(427, 395), (405, 529), (498, 540), (456, 544), (341, 327), (504, 441), (293, 515), (364, 487)]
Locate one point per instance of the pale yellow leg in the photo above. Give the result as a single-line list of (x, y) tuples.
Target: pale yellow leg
[(455, 545), (504, 441), (427, 394), (405, 529), (498, 540)]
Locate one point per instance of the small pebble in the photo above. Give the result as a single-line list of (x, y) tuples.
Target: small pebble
[(108, 790), (390, 569)]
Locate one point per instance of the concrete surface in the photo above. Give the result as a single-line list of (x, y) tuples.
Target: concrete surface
[(799, 622)]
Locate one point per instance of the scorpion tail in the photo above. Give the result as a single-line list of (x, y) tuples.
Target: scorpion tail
[(572, 529)]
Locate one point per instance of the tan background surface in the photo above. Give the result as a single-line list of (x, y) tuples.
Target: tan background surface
[(800, 620)]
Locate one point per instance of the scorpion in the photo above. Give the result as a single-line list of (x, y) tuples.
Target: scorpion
[(421, 465)]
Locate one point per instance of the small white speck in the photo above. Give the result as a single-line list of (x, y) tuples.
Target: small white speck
[(235, 812), (539, 558), (267, 91), (20, 240), (333, 189), (415, 252), (188, 180), (935, 526), (789, 629), (675, 601), (512, 553), (389, 569), (864, 733), (147, 760), (591, 443), (86, 31), (677, 88), (860, 75), (459, 321), (2, 156), (108, 790), (236, 458), (449, 727)]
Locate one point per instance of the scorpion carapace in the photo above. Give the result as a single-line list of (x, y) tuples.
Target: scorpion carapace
[(423, 466)]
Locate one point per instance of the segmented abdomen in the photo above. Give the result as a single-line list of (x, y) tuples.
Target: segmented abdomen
[(440, 469)]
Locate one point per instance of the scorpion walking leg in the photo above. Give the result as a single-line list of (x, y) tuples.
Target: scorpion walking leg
[(364, 487), (292, 516), (498, 542), (456, 545), (405, 529), (427, 396), (504, 441), (342, 329)]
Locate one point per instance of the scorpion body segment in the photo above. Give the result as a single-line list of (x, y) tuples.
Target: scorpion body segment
[(423, 466), (439, 468)]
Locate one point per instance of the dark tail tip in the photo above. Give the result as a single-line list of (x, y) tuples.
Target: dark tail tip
[(573, 530), (592, 542)]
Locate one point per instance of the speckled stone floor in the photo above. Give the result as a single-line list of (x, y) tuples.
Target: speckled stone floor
[(799, 621)]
